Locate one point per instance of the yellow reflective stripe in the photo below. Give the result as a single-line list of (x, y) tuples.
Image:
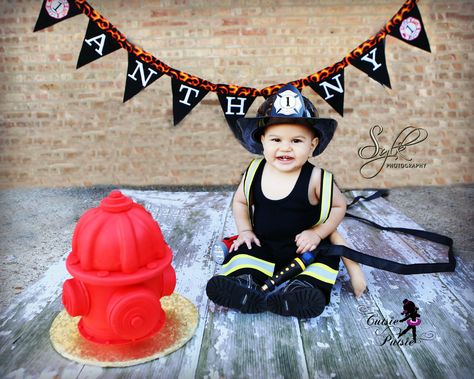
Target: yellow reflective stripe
[(326, 196), (300, 262), (248, 179), (247, 261), (321, 272)]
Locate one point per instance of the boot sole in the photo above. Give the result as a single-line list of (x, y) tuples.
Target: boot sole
[(226, 292), (303, 303)]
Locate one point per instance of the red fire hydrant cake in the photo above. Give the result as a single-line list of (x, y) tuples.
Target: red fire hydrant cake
[(121, 268)]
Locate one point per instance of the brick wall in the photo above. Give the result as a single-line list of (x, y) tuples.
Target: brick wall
[(63, 127)]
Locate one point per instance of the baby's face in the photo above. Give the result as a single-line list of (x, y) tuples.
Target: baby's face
[(288, 146)]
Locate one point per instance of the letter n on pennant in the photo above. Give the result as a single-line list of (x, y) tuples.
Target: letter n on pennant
[(139, 76), (185, 98), (331, 89), (97, 44)]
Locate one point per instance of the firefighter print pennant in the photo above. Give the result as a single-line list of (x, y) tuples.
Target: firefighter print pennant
[(234, 107), (331, 89), (54, 11), (139, 76), (412, 30), (97, 44), (373, 64), (185, 98)]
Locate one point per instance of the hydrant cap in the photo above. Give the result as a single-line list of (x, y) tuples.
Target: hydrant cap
[(116, 202), (119, 236)]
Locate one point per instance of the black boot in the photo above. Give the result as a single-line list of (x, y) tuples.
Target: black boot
[(299, 299), (239, 292)]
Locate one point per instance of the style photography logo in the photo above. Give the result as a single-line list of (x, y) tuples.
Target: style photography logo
[(377, 156)]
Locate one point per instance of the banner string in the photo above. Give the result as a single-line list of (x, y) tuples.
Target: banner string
[(230, 89)]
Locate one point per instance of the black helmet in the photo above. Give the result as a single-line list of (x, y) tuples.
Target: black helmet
[(287, 106)]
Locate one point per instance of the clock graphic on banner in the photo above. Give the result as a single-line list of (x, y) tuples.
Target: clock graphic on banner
[(57, 8), (410, 28)]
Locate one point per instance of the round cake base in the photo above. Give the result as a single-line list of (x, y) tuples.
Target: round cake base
[(180, 325)]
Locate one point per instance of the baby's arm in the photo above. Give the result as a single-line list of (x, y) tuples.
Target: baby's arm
[(309, 239), (242, 220)]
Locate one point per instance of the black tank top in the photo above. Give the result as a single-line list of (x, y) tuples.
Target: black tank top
[(281, 220)]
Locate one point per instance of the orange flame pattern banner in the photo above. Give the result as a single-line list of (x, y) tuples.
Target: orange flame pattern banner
[(236, 90)]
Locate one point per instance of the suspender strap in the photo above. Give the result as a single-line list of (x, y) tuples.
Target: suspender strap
[(248, 180), (325, 196)]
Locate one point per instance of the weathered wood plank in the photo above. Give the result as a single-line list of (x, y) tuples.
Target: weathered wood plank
[(461, 284), (341, 344), (25, 350), (28, 352), (229, 344), (443, 315), (239, 345), (189, 223)]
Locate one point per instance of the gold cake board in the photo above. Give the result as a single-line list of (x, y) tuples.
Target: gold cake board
[(180, 325)]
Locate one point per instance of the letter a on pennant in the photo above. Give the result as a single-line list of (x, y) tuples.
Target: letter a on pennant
[(139, 76), (331, 89), (97, 44), (185, 98)]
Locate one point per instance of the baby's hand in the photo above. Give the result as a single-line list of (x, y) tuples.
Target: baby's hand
[(247, 237), (307, 240)]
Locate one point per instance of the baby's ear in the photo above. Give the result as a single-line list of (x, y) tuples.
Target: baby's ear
[(314, 142)]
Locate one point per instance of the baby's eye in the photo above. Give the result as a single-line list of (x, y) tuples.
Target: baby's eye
[(275, 139), (297, 140)]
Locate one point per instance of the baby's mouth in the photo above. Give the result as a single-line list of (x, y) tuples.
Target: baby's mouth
[(285, 158)]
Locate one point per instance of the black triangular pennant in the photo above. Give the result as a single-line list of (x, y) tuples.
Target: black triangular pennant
[(412, 30), (97, 44), (331, 89), (139, 75), (185, 98), (373, 64), (235, 107), (54, 11)]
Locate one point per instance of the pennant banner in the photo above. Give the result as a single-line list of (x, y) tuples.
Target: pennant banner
[(139, 76), (373, 64), (103, 38), (411, 30), (54, 11), (331, 89), (235, 107), (96, 44), (185, 98)]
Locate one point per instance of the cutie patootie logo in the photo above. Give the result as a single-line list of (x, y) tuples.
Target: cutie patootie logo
[(394, 331)]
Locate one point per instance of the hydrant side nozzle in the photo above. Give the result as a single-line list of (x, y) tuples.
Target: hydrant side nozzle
[(169, 280), (134, 313), (75, 298)]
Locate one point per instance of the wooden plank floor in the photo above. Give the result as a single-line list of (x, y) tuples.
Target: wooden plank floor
[(347, 340)]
